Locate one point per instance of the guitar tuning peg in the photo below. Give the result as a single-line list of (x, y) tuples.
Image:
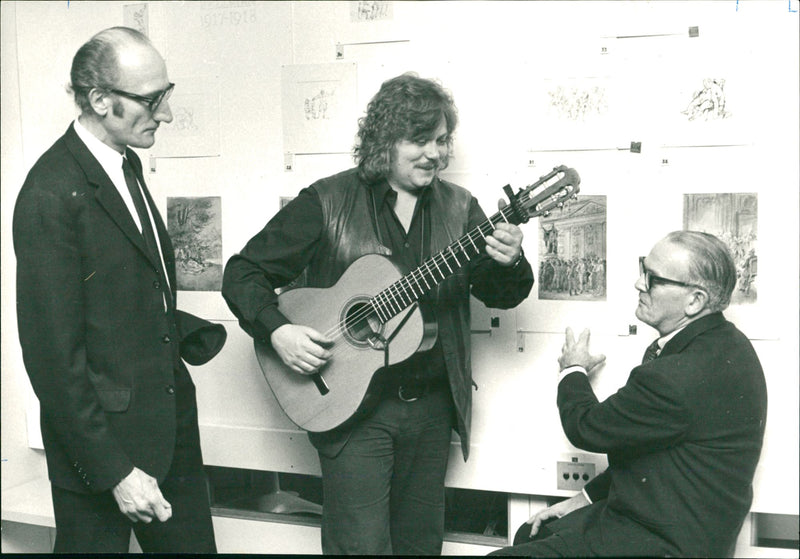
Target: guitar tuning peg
[(546, 214)]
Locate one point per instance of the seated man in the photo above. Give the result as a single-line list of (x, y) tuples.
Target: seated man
[(683, 436)]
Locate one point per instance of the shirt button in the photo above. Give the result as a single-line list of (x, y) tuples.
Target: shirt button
[(170, 389), (166, 339), (406, 245), (157, 284)]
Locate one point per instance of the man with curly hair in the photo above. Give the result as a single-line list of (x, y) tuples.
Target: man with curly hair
[(383, 473)]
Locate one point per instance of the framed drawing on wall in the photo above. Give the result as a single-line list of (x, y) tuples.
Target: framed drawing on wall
[(733, 217), (194, 129), (195, 226), (319, 107), (572, 252)]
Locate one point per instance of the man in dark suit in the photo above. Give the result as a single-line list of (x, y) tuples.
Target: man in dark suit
[(101, 338), (683, 436)]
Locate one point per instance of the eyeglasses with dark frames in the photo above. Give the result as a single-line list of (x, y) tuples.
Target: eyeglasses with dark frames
[(650, 278), (153, 102)]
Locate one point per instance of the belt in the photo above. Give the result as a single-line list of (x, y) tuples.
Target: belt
[(414, 389)]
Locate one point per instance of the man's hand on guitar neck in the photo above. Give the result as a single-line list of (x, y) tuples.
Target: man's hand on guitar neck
[(504, 245), (302, 349)]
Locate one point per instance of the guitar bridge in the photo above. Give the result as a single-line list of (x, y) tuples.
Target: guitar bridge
[(320, 383)]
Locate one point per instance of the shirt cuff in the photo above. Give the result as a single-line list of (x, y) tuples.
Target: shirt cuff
[(571, 369)]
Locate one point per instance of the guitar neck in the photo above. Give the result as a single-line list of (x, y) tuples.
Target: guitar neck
[(408, 289), (550, 191)]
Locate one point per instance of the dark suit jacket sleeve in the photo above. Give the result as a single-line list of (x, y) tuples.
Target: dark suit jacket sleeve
[(598, 488), (201, 340), (52, 327), (646, 414), (275, 256)]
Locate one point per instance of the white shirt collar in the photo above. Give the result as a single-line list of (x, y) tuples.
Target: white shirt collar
[(109, 158), (111, 162)]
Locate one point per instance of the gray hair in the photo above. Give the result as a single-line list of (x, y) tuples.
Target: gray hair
[(96, 64), (710, 266)]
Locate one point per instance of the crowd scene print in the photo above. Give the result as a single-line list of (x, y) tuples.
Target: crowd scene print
[(572, 252), (577, 277), (733, 217)]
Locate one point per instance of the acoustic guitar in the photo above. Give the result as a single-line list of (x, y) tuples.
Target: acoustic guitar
[(373, 317)]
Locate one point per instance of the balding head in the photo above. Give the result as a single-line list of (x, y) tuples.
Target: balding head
[(99, 61)]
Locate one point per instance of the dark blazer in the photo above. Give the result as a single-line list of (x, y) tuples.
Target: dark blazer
[(683, 438), (101, 353)]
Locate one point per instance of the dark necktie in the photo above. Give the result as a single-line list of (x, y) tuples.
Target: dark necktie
[(147, 225), (141, 209), (651, 352)]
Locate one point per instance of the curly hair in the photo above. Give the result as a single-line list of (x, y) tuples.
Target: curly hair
[(406, 107), (96, 64)]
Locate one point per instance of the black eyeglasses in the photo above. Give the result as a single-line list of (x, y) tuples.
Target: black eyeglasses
[(152, 102), (650, 277)]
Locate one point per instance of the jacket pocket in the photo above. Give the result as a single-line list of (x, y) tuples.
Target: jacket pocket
[(114, 400)]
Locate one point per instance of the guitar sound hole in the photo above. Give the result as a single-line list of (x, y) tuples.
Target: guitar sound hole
[(362, 325)]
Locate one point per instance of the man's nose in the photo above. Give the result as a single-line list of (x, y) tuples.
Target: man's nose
[(163, 113), (432, 151), (640, 285)]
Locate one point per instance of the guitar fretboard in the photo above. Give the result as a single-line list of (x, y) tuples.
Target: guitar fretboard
[(408, 289), (539, 198)]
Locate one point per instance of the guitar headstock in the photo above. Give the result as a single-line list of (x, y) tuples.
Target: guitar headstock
[(551, 191)]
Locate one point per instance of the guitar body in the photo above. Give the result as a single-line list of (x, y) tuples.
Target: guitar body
[(358, 350), (373, 306)]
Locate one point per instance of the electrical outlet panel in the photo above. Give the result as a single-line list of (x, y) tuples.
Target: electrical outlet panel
[(573, 475)]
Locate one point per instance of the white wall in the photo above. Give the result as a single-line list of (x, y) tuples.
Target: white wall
[(493, 57)]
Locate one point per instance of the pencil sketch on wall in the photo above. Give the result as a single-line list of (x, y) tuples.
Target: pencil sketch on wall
[(578, 103), (195, 227), (572, 252), (708, 103), (370, 10), (318, 108), (194, 130), (135, 17), (733, 217), (577, 112)]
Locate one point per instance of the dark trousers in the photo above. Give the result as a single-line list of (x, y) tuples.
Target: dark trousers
[(564, 543), (384, 492), (94, 523), (591, 531)]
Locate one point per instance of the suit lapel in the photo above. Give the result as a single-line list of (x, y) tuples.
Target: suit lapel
[(694, 329), (106, 193)]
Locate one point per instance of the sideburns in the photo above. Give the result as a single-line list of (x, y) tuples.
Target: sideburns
[(117, 109)]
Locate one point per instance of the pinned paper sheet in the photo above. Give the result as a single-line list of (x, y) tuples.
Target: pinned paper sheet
[(319, 107), (194, 130)]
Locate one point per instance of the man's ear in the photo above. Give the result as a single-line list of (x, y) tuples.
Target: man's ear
[(99, 101), (698, 302)]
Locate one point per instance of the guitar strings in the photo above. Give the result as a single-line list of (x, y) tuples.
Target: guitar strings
[(339, 329), (394, 294), (440, 258)]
